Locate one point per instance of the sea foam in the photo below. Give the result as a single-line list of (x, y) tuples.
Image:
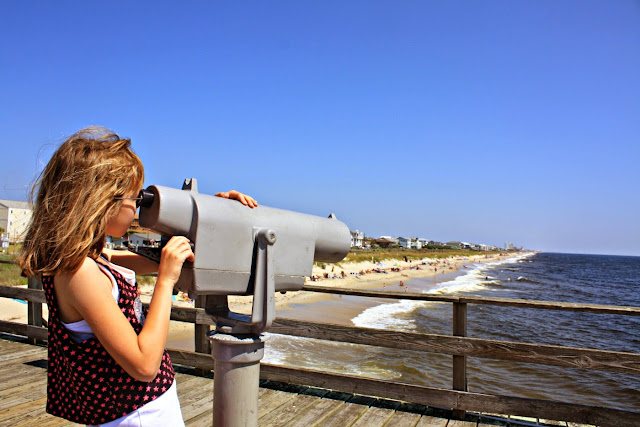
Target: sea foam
[(387, 316)]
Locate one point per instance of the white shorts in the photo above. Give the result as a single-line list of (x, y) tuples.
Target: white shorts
[(164, 411)]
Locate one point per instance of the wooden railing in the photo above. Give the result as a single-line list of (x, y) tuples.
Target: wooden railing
[(457, 345)]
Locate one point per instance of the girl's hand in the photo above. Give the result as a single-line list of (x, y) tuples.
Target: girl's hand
[(174, 254), (242, 198)]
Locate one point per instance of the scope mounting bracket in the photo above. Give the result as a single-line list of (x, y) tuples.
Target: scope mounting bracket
[(263, 307)]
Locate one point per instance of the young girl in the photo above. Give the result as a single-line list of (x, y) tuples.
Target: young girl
[(107, 359)]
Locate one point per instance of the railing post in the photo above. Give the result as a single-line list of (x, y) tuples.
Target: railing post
[(201, 332), (34, 309), (459, 362)]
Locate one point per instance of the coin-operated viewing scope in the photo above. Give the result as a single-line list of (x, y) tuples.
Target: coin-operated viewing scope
[(242, 251)]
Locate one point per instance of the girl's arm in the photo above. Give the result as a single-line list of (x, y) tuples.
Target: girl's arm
[(87, 294), (132, 261)]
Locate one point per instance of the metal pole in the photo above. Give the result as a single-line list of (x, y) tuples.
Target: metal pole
[(236, 378)]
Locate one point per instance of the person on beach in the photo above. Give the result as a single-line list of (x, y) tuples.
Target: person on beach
[(107, 361)]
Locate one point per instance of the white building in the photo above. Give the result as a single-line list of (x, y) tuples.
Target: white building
[(357, 238), (144, 239), (409, 243), (14, 218)]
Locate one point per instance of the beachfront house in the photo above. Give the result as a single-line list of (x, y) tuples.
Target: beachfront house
[(14, 219), (116, 242), (453, 244), (133, 240), (144, 239), (423, 242), (357, 238), (386, 242), (409, 243)]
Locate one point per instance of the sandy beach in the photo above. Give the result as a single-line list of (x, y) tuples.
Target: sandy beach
[(393, 275)]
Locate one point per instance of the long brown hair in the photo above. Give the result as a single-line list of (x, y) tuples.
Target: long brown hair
[(75, 199)]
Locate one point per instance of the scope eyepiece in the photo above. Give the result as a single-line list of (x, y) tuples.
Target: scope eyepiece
[(146, 198)]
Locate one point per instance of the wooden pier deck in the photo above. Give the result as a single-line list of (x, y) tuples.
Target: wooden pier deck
[(23, 396)]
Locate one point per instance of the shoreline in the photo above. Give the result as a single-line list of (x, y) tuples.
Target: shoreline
[(393, 274)]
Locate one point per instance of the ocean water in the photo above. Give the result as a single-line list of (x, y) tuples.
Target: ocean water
[(594, 279)]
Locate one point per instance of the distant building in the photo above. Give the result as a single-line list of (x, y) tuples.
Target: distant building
[(409, 243), (147, 239), (386, 242), (453, 244), (404, 242), (394, 240), (15, 217), (357, 238)]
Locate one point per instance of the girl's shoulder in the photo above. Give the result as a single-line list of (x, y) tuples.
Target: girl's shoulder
[(79, 290), (89, 272)]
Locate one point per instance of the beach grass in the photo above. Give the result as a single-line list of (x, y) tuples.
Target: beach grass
[(379, 255), (10, 274)]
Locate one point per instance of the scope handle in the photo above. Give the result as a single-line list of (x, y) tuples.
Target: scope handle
[(264, 300)]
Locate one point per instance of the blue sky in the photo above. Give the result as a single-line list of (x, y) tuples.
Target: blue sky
[(484, 121)]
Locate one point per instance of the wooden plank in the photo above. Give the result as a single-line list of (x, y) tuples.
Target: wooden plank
[(21, 356), (9, 362), (7, 414), (11, 401), (476, 402), (28, 418), (283, 414), (553, 422), (428, 421), (316, 413), (541, 305), (23, 330), (8, 346), (15, 371), (23, 384), (458, 423), (200, 335), (48, 420), (195, 391), (459, 362), (198, 407), (570, 357), (204, 362), (403, 419), (184, 379), (272, 401), (34, 310), (26, 294), (344, 415), (35, 295), (203, 420), (373, 417), (448, 398)]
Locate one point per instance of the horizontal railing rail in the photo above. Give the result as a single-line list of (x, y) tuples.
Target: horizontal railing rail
[(464, 299), (459, 347)]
